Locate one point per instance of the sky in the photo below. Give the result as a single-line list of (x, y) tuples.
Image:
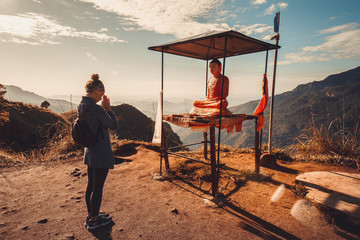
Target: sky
[(51, 47)]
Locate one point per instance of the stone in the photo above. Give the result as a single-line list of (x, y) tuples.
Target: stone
[(174, 210), (268, 160), (42, 221), (158, 177)]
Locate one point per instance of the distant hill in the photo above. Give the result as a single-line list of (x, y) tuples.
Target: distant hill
[(335, 97), (14, 93), (24, 126), (149, 107)]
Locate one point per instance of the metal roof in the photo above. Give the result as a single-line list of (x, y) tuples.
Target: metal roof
[(212, 45)]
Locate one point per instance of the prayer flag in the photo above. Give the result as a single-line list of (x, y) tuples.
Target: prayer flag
[(259, 111), (158, 122), (277, 22)]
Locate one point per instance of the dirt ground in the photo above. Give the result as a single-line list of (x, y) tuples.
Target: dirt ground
[(46, 201)]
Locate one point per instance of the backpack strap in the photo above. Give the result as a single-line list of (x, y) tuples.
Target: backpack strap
[(84, 111), (83, 118)]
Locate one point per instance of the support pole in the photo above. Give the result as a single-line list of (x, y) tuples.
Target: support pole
[(207, 76), (221, 99), (266, 63), (276, 37), (257, 152), (219, 135), (162, 150), (205, 133), (162, 79), (214, 175), (163, 139), (164, 147), (205, 146)]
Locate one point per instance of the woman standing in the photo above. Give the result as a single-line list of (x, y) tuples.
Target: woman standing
[(99, 159)]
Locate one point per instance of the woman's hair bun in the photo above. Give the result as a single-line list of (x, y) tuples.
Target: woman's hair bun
[(95, 76)]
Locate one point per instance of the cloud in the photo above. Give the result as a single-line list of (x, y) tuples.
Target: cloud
[(258, 2), (103, 30), (37, 29), (349, 26), (343, 44), (179, 18), (303, 57), (270, 10), (273, 8), (282, 5), (37, 1), (254, 29), (91, 56)]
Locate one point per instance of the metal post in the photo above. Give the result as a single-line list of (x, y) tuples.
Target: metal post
[(221, 99), (205, 133), (164, 147), (206, 77), (162, 70), (276, 37), (214, 175), (205, 145), (266, 63), (257, 153), (163, 139)]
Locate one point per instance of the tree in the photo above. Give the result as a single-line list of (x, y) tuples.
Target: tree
[(2, 91), (45, 104)]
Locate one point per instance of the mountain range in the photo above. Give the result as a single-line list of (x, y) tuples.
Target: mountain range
[(14, 93)]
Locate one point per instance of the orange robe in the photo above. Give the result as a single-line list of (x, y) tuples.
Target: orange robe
[(259, 111), (211, 105)]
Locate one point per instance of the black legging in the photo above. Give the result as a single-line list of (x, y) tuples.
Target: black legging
[(94, 189)]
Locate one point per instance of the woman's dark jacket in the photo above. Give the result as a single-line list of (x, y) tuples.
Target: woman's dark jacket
[(98, 121)]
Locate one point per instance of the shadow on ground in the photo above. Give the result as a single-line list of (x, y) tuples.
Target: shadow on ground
[(103, 233)]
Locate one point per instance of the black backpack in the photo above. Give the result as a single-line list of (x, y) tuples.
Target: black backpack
[(81, 133)]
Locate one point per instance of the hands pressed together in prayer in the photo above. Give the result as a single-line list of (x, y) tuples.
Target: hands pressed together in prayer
[(105, 103)]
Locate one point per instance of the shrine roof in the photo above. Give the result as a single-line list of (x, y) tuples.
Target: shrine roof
[(212, 45)]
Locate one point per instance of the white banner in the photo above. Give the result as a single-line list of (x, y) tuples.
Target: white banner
[(158, 121)]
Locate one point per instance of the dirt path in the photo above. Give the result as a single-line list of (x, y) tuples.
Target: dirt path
[(46, 202)]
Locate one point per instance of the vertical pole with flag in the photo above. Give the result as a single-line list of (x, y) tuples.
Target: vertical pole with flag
[(276, 38)]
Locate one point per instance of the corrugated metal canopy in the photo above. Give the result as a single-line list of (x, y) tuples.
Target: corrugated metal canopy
[(212, 45)]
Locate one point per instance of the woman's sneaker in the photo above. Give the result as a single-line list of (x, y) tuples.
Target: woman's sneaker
[(104, 214), (99, 222)]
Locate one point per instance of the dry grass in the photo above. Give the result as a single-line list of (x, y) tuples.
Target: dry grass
[(242, 176), (300, 190), (193, 171), (59, 147), (4, 117), (326, 140), (199, 174), (224, 150), (334, 144)]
